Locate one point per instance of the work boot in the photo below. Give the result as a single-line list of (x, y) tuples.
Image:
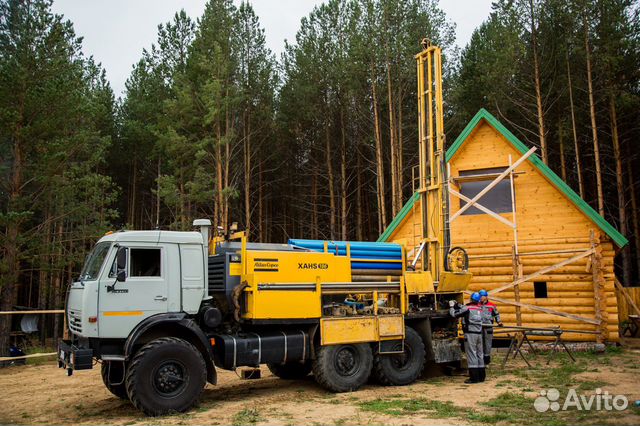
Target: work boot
[(473, 376), (482, 374)]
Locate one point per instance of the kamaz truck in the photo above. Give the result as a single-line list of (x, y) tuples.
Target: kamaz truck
[(160, 311)]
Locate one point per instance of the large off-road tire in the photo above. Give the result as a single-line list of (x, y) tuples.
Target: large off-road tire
[(343, 368), (401, 369), (166, 375), (117, 375), (291, 370)]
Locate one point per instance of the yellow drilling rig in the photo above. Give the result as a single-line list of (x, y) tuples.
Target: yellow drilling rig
[(162, 310)]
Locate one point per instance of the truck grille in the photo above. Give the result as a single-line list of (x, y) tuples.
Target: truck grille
[(75, 320), (216, 273)]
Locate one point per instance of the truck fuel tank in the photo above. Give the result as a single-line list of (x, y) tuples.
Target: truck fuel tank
[(251, 349)]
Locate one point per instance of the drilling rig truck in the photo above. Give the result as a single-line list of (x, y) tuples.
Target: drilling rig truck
[(162, 310)]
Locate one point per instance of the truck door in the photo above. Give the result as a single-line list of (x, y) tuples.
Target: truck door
[(143, 293)]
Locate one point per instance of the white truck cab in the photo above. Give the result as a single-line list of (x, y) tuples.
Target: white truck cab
[(133, 275), (135, 289)]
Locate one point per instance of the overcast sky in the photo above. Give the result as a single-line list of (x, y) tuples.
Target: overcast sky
[(116, 31)]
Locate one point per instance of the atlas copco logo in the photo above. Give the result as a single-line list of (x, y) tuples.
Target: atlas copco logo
[(304, 265)]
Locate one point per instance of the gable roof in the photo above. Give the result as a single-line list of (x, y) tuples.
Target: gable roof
[(551, 176)]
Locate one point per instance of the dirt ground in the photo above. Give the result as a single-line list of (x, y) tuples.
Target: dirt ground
[(43, 394)]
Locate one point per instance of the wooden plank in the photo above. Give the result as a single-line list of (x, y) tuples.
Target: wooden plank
[(49, 311), (517, 274), (598, 286), (542, 271), (13, 358), (546, 310), (492, 184)]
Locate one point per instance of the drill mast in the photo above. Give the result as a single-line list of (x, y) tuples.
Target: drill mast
[(435, 240)]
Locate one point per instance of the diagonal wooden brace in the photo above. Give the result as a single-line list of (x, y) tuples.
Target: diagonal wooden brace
[(542, 309), (546, 310), (543, 271), (493, 183), (482, 208)]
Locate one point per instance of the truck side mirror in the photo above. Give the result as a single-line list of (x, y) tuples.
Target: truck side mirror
[(121, 264)]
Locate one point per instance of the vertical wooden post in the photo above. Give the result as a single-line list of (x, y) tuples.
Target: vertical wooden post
[(600, 302), (515, 254), (517, 273)]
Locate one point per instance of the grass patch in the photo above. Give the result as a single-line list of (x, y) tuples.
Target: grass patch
[(246, 416), (515, 408), (509, 400), (402, 407), (591, 385)]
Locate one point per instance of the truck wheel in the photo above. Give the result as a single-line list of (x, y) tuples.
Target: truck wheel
[(343, 368), (117, 374), (166, 375), (404, 368), (291, 370)]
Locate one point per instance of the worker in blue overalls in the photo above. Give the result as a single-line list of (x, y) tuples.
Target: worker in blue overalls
[(471, 314)]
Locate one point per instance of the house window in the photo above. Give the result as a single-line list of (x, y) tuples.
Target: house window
[(498, 199), (145, 262), (540, 289)]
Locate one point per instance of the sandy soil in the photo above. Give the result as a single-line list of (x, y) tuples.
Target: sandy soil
[(43, 394)]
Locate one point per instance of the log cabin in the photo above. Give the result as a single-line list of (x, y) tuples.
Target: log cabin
[(529, 228)]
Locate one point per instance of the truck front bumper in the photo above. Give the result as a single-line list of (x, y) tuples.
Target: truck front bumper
[(72, 357)]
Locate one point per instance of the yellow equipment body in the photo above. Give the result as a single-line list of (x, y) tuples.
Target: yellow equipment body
[(334, 331), (273, 280)]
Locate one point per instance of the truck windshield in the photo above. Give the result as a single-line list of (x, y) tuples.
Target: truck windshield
[(94, 261)]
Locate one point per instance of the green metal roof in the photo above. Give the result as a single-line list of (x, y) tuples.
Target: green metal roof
[(483, 114)]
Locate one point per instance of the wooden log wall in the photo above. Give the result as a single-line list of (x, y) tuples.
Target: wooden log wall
[(570, 288)]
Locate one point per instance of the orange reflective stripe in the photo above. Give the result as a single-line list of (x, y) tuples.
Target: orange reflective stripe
[(122, 313)]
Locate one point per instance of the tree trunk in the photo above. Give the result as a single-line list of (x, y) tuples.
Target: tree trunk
[(332, 201), (634, 209), (359, 171), (43, 278), (247, 173), (400, 154), (594, 127), (158, 194), (537, 80), (343, 178), (622, 213), (382, 213), (11, 274), (392, 141), (260, 204), (314, 206), (563, 164), (227, 161), (181, 189), (575, 130), (218, 160), (133, 188), (57, 282)]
